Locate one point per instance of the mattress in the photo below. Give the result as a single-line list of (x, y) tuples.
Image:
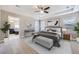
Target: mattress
[(46, 42)]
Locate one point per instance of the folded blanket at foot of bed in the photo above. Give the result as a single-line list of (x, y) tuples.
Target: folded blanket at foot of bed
[(43, 41)]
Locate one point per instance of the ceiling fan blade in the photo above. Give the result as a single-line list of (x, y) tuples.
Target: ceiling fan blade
[(40, 7), (46, 11), (46, 8)]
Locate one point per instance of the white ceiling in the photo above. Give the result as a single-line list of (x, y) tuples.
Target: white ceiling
[(27, 10)]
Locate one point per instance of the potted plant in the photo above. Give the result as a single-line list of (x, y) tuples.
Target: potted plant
[(5, 29), (76, 28)]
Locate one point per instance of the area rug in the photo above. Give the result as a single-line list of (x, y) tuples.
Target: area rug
[(64, 49)]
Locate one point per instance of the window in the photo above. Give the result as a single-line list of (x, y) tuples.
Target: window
[(36, 25), (69, 23), (39, 25)]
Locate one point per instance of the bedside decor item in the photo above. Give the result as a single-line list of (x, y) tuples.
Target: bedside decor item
[(5, 28), (76, 28)]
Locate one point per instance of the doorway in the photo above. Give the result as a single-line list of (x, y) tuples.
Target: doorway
[(14, 27)]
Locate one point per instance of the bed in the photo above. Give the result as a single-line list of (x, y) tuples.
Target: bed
[(46, 39)]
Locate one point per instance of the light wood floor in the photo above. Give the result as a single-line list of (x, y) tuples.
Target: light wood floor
[(16, 46), (75, 47), (25, 48)]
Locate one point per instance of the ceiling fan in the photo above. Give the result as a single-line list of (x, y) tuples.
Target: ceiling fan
[(42, 9)]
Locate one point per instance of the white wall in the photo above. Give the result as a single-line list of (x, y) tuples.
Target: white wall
[(24, 21)]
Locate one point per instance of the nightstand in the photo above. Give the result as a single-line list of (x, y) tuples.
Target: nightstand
[(66, 36)]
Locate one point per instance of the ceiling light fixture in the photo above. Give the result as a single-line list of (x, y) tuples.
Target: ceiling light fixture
[(41, 8), (41, 11)]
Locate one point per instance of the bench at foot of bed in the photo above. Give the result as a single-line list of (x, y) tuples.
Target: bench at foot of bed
[(43, 41)]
